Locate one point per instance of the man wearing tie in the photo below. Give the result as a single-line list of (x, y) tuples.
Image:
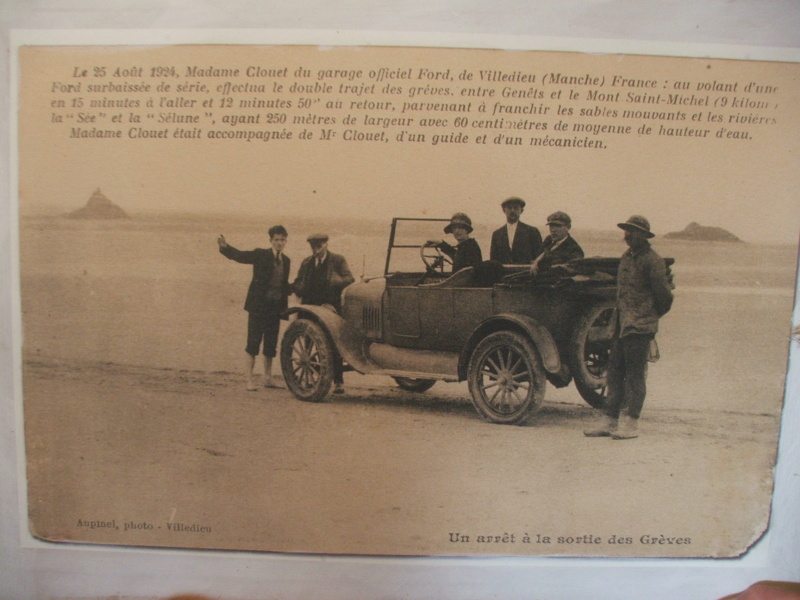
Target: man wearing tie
[(515, 243), (320, 281), (267, 298)]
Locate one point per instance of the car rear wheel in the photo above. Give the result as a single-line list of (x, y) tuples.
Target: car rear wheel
[(414, 385), (506, 378), (590, 349), (307, 361)]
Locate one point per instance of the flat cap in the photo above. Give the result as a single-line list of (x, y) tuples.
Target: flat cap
[(317, 237), (512, 200), (559, 218)]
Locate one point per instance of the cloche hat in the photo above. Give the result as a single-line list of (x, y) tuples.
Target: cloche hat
[(459, 219)]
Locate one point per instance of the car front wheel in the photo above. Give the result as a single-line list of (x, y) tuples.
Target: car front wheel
[(307, 361), (506, 378)]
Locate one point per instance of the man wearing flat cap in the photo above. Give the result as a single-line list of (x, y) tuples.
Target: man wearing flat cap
[(320, 281), (515, 243), (644, 294), (559, 247)]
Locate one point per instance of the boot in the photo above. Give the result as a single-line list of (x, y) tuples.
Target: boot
[(627, 428), (605, 428)]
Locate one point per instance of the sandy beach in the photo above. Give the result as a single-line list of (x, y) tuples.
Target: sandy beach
[(139, 430)]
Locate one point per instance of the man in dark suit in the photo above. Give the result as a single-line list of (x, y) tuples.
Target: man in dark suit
[(515, 243), (320, 281), (267, 297), (559, 247)]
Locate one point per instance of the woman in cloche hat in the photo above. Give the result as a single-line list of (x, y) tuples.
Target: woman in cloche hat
[(466, 252)]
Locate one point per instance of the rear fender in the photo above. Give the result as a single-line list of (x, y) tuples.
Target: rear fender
[(349, 342), (537, 333)]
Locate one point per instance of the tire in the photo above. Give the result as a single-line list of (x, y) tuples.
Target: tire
[(414, 385), (506, 378), (590, 347), (307, 361)]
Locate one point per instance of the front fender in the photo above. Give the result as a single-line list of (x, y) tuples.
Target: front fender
[(349, 342), (528, 326)]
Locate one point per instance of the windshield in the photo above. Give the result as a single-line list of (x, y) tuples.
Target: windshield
[(406, 237)]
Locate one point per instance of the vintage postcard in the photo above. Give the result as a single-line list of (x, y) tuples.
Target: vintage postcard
[(404, 406)]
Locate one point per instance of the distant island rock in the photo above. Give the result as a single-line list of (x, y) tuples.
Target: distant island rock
[(98, 207), (700, 233)]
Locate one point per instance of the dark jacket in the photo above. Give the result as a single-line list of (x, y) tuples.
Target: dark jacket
[(644, 292), (337, 277), (466, 254), (263, 261), (527, 245), (564, 252)]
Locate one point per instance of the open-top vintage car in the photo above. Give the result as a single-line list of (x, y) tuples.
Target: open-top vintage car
[(505, 331)]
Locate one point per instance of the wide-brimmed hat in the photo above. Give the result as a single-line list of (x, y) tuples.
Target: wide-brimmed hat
[(512, 200), (637, 223), (461, 220), (317, 237), (559, 218)]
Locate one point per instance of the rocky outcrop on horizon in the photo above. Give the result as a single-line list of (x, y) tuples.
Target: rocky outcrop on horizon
[(699, 233), (98, 207)]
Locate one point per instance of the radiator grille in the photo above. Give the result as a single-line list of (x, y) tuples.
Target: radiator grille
[(371, 319)]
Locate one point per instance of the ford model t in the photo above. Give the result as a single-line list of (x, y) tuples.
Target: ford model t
[(505, 331)]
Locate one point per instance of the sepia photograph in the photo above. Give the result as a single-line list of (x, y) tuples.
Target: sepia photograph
[(404, 301), (290, 303)]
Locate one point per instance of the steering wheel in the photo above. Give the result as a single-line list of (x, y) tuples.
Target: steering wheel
[(434, 260)]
